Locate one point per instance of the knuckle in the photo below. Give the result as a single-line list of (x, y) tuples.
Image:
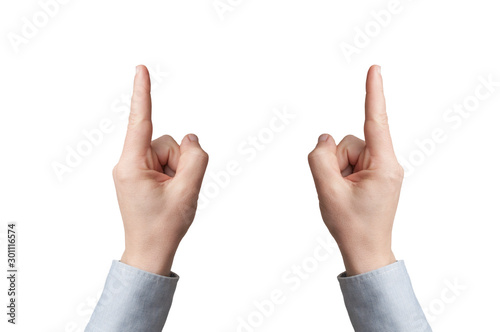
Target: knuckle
[(348, 142), (394, 174), (198, 155), (204, 158), (140, 93), (185, 190), (136, 119), (166, 138), (312, 155), (351, 138), (317, 153), (202, 154), (116, 172), (380, 119), (400, 171), (383, 118), (119, 174)]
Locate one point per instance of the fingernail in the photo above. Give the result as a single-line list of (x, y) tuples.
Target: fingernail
[(379, 70), (323, 138), (193, 138), (137, 70)]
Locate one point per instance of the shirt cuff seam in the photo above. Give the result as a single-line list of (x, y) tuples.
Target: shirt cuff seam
[(122, 267), (398, 265)]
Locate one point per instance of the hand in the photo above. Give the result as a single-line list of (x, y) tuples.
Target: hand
[(157, 185), (358, 185)]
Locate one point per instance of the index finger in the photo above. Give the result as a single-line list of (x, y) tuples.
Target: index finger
[(140, 127), (377, 135)]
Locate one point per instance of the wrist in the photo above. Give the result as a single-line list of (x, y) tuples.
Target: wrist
[(359, 262), (151, 261)]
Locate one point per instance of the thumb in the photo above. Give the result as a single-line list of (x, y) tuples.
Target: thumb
[(192, 162), (324, 164)]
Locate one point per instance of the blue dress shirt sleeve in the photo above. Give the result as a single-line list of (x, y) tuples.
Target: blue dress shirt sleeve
[(133, 300), (383, 300), (136, 300)]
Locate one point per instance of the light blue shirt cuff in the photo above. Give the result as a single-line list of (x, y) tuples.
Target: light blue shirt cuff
[(133, 300), (383, 300)]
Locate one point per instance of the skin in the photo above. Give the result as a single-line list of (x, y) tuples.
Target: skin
[(157, 186), (358, 184)]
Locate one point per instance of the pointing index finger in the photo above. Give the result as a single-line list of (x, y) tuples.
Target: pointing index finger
[(140, 127), (377, 135)]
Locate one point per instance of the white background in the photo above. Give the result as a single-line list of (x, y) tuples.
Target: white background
[(225, 77)]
